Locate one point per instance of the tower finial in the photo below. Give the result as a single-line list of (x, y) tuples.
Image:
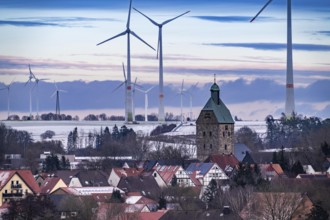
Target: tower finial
[(215, 78)]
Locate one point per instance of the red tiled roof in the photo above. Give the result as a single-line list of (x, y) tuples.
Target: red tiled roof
[(25, 175), (128, 171), (223, 160)]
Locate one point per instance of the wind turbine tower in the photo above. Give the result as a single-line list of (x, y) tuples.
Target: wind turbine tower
[(31, 77), (181, 92), (161, 114), (289, 103), (128, 32)]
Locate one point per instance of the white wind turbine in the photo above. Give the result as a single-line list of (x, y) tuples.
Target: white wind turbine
[(181, 92), (37, 80), (290, 103), (191, 100), (128, 32), (123, 83), (57, 92), (161, 114), (7, 87), (31, 78), (146, 103)]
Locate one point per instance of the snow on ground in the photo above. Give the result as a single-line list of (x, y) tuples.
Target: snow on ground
[(63, 128)]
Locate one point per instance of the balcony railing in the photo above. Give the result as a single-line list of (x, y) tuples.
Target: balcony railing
[(16, 186), (12, 195)]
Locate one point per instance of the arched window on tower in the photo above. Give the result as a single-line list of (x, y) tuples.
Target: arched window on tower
[(210, 133), (204, 146), (204, 133), (210, 146), (225, 146)]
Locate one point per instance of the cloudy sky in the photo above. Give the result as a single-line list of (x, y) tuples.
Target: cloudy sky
[(58, 38)]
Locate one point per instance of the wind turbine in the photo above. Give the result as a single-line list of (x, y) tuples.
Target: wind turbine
[(7, 87), (289, 103), (121, 84), (31, 77), (161, 114), (37, 80), (191, 99), (128, 32), (145, 101), (57, 92), (181, 92)]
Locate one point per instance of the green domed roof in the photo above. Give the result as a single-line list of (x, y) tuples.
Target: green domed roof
[(215, 87)]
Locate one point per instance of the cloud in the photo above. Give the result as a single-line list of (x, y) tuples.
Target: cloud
[(52, 21), (324, 32), (224, 18), (27, 23), (276, 46)]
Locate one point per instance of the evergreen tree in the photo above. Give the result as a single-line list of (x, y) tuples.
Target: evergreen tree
[(174, 180), (116, 197), (209, 193), (282, 160), (115, 133), (75, 138), (65, 164), (297, 168)]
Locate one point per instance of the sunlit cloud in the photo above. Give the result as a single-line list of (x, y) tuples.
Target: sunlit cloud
[(276, 46)]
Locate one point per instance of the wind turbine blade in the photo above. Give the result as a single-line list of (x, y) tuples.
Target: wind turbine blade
[(182, 85), (152, 21), (53, 94), (135, 35), (150, 89), (27, 82), (118, 35), (140, 90), (261, 10), (129, 14), (124, 72), (118, 87), (62, 90), (169, 20)]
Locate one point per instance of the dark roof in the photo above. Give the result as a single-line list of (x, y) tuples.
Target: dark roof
[(93, 178), (258, 158), (65, 175), (203, 168), (146, 185), (220, 111), (240, 151), (149, 164)]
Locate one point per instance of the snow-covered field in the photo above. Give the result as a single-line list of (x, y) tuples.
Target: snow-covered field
[(63, 128)]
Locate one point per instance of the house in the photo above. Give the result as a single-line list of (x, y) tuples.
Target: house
[(205, 172), (227, 162), (86, 191), (214, 127), (277, 205), (313, 176), (117, 173), (172, 175), (271, 171), (145, 184), (199, 215), (82, 178), (139, 199), (50, 184), (16, 184)]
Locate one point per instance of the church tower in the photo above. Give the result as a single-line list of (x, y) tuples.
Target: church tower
[(214, 127)]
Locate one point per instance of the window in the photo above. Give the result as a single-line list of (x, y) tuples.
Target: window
[(228, 134), (211, 146), (225, 146), (204, 133), (223, 134), (204, 146), (210, 133), (226, 127), (155, 174)]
